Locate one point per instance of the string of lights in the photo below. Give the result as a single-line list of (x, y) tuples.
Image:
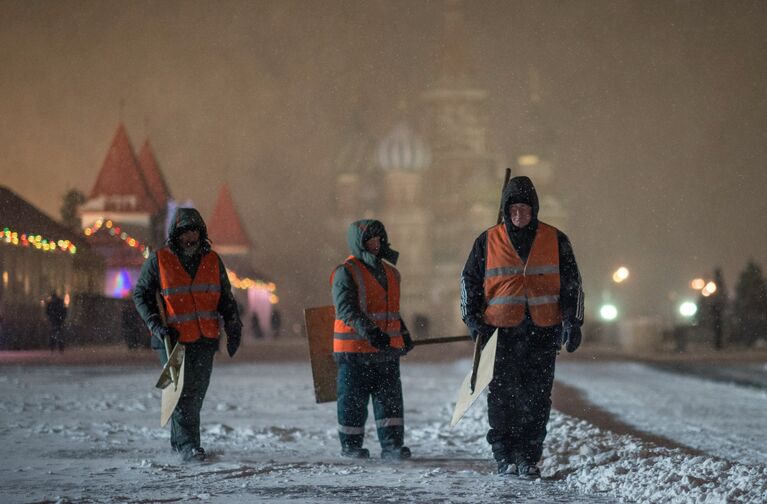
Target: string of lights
[(36, 241), (115, 230), (236, 281), (249, 283)]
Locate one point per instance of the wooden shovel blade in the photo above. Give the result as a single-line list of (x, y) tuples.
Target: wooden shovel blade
[(170, 370), (171, 394), (484, 375)]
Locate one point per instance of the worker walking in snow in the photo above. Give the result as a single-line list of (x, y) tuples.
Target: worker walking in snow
[(195, 292), (521, 277), (369, 338)]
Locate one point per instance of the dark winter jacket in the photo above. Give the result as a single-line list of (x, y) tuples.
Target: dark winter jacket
[(56, 311), (344, 289), (148, 285), (520, 190)]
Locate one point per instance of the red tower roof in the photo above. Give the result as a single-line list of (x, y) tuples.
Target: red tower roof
[(120, 175), (225, 227), (158, 188)]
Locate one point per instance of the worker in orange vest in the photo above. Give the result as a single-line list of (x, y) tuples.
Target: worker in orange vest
[(195, 293), (522, 279), (369, 338)]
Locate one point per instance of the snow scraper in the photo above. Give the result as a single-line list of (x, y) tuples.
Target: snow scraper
[(477, 379), (319, 333), (171, 380), (484, 357)]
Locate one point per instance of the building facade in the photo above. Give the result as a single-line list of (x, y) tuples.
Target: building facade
[(39, 256)]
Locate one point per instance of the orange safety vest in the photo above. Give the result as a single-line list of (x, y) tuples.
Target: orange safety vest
[(511, 284), (379, 304), (191, 304)]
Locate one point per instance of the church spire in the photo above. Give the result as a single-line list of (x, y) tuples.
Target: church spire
[(454, 66), (456, 115), (225, 227)]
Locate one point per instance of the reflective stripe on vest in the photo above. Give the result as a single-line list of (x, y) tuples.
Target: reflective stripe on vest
[(511, 285), (191, 304), (378, 304)]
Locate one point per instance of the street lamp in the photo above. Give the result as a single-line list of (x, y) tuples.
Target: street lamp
[(620, 274), (709, 289), (698, 284), (688, 309), (608, 312)]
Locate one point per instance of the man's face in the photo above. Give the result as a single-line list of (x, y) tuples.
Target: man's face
[(373, 245), (521, 214), (190, 241)]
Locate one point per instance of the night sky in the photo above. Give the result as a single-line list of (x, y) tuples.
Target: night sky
[(657, 112)]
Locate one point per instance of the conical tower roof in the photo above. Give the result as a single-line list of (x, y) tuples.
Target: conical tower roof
[(225, 227), (121, 175), (158, 188)]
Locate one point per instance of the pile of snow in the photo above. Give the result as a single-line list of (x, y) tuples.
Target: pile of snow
[(591, 460)]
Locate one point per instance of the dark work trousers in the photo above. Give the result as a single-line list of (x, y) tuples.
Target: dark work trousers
[(355, 384), (519, 398), (185, 421), (56, 338)]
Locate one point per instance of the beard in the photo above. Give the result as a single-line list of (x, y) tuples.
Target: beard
[(190, 249)]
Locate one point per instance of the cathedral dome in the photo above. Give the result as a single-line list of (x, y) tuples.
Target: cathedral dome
[(403, 150)]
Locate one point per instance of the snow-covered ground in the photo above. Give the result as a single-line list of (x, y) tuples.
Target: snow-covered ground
[(717, 418), (91, 434)]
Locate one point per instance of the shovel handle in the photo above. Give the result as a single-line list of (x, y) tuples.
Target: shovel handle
[(475, 365), (173, 376), (478, 343), (444, 339)]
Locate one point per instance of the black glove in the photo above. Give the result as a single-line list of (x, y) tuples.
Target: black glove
[(483, 331), (408, 343), (572, 338), (378, 339), (160, 332), (232, 341)]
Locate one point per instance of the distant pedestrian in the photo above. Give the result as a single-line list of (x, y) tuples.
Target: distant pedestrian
[(275, 322), (2, 334), (717, 308), (56, 312), (255, 325)]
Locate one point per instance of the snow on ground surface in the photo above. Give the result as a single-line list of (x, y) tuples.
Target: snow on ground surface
[(91, 434), (717, 418)]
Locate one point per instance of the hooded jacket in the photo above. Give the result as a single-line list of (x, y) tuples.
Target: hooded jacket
[(148, 284), (519, 190), (344, 290)]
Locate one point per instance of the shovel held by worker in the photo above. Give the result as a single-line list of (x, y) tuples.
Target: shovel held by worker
[(484, 355), (171, 380), (319, 333)]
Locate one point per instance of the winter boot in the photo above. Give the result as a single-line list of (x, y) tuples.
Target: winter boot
[(528, 470), (196, 454), (507, 468), (400, 453), (355, 452)]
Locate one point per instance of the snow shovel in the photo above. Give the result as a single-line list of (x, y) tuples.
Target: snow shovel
[(171, 380), (477, 379), (319, 333), (482, 357)]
